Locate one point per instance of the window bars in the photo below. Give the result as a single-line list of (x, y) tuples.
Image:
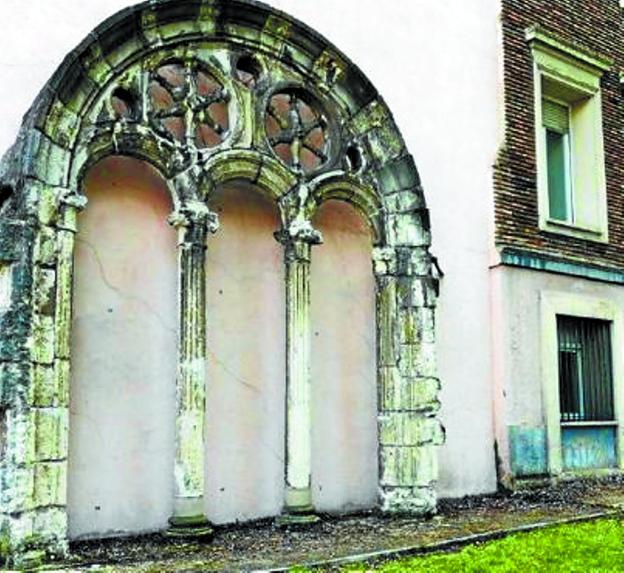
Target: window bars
[(585, 370)]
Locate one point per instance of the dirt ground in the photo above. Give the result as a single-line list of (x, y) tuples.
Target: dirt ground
[(262, 545)]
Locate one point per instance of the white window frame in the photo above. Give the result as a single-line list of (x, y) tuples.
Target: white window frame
[(552, 304), (578, 72)]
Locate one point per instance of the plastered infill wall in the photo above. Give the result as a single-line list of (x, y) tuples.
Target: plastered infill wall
[(245, 359), (516, 301), (122, 409), (344, 437), (441, 86), (124, 337)]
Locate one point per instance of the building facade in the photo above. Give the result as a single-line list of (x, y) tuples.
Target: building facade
[(556, 296), (411, 334)]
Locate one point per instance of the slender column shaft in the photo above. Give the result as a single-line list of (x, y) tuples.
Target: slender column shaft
[(193, 228), (298, 412), (191, 394)]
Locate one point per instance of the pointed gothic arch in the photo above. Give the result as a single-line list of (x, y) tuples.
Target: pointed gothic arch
[(208, 91)]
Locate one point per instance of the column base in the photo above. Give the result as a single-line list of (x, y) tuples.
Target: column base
[(288, 519), (188, 520), (298, 509), (190, 527)]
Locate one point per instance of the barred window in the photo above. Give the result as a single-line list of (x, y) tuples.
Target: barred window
[(585, 370)]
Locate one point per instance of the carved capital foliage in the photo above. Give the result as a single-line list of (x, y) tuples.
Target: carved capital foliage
[(195, 221), (296, 206), (297, 248)]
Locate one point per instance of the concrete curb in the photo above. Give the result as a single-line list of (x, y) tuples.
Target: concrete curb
[(447, 545)]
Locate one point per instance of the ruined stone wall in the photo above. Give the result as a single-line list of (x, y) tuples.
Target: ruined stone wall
[(210, 92)]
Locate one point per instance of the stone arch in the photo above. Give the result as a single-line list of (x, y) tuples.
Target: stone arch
[(249, 91), (245, 363), (361, 196), (260, 170)]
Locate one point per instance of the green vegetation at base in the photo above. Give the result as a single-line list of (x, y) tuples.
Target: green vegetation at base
[(596, 546)]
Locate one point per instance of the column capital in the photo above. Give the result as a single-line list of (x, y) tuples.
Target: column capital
[(298, 240), (195, 221), (71, 198), (69, 203), (295, 207)]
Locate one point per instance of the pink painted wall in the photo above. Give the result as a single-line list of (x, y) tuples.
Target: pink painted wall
[(246, 359), (344, 437), (123, 354)]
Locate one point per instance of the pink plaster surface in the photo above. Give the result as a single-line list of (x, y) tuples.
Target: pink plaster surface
[(123, 354), (124, 358), (245, 359), (344, 422)]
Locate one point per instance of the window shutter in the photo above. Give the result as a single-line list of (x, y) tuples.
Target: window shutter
[(555, 116)]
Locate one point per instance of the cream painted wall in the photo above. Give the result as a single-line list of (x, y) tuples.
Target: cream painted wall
[(344, 391), (518, 348), (435, 64), (122, 392), (246, 359), (518, 351)]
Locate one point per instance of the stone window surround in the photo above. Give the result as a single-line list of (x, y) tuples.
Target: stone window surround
[(579, 70), (553, 303), (67, 131)]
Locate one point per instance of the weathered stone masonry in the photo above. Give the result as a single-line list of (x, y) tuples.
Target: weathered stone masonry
[(209, 91)]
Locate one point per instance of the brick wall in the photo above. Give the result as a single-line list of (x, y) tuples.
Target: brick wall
[(598, 26)]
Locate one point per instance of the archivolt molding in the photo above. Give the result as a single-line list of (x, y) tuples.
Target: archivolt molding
[(209, 91), (263, 171), (345, 187)]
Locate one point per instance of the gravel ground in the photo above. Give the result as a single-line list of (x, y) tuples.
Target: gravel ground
[(263, 545)]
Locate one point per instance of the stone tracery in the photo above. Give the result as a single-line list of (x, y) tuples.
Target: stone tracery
[(188, 105), (296, 131)]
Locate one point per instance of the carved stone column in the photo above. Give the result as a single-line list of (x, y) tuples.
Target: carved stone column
[(298, 495), (193, 221)]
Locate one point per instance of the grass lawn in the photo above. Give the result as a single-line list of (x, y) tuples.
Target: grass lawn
[(585, 547)]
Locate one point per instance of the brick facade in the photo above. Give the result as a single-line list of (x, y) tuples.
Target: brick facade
[(596, 25)]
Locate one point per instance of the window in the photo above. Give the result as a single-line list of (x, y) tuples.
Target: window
[(585, 371), (569, 140), (556, 122), (583, 382)]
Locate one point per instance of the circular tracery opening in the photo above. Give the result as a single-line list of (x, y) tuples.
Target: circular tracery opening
[(188, 103), (353, 158), (124, 104), (248, 70), (297, 131)]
